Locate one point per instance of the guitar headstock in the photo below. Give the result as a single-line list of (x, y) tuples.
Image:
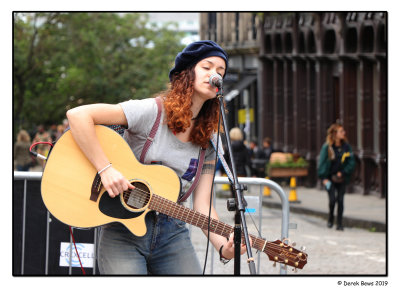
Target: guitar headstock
[(284, 253)]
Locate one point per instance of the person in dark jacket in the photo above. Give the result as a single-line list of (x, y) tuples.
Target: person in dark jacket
[(335, 166), (240, 152), (262, 157)]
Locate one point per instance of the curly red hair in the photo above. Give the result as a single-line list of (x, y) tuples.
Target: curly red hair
[(177, 104)]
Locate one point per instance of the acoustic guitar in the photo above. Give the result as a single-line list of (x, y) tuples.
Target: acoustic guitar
[(68, 181)]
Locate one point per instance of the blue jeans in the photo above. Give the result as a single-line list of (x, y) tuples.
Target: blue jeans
[(165, 249)]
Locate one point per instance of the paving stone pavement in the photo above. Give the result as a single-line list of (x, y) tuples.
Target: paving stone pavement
[(354, 251)]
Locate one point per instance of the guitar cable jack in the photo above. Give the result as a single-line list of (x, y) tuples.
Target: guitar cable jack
[(35, 154)]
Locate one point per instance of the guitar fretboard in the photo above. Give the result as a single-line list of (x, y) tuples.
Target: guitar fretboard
[(198, 219)]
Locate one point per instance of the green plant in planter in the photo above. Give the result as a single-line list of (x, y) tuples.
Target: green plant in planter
[(292, 161)]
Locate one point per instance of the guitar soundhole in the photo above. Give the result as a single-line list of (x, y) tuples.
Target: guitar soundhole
[(137, 198)]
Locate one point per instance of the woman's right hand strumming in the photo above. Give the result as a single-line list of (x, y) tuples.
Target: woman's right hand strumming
[(114, 182), (82, 121)]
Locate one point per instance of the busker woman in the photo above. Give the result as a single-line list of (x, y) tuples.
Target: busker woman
[(189, 118), (336, 164)]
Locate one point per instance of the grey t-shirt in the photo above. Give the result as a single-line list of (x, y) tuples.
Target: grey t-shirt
[(182, 157)]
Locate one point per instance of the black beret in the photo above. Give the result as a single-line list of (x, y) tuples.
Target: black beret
[(194, 53)]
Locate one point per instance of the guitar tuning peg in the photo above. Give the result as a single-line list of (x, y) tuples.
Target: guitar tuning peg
[(293, 244), (274, 265), (295, 270), (285, 241), (303, 248)]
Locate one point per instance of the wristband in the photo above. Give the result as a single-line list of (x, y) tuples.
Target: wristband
[(105, 168), (221, 257)]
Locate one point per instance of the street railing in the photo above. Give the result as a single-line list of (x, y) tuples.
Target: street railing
[(261, 182), (32, 176)]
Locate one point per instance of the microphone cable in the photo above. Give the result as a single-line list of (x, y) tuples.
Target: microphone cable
[(212, 190)]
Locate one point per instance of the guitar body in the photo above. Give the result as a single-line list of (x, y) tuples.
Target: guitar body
[(68, 177)]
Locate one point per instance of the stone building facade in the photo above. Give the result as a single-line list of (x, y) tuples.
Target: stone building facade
[(311, 69)]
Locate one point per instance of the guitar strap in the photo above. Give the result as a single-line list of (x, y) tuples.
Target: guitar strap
[(150, 140), (196, 178), (96, 185), (153, 131)]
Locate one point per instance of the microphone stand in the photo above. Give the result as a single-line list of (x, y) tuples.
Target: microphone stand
[(240, 221)]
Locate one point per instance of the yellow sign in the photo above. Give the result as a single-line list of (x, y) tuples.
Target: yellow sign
[(244, 114)]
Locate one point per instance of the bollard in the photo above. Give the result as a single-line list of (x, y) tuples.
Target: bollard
[(293, 193), (225, 187), (267, 191)]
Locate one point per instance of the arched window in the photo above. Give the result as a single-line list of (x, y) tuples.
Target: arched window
[(302, 48), (381, 38), (288, 42), (278, 43), (367, 39), (268, 44), (329, 42), (311, 47), (351, 40)]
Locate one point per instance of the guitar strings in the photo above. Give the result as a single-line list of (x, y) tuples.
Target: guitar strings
[(146, 199), (270, 249), (136, 190), (138, 198), (135, 201)]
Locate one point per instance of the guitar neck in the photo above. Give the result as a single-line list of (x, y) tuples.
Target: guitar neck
[(200, 220)]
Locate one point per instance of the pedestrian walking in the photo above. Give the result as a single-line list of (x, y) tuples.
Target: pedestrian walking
[(335, 166)]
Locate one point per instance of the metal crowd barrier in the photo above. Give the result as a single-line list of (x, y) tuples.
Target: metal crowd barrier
[(218, 180), (30, 176), (261, 182), (37, 176)]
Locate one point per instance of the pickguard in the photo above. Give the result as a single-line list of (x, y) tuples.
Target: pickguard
[(113, 207)]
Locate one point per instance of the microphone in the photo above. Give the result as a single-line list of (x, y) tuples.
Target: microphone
[(215, 80)]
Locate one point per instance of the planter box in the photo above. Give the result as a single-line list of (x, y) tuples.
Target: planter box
[(287, 172)]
